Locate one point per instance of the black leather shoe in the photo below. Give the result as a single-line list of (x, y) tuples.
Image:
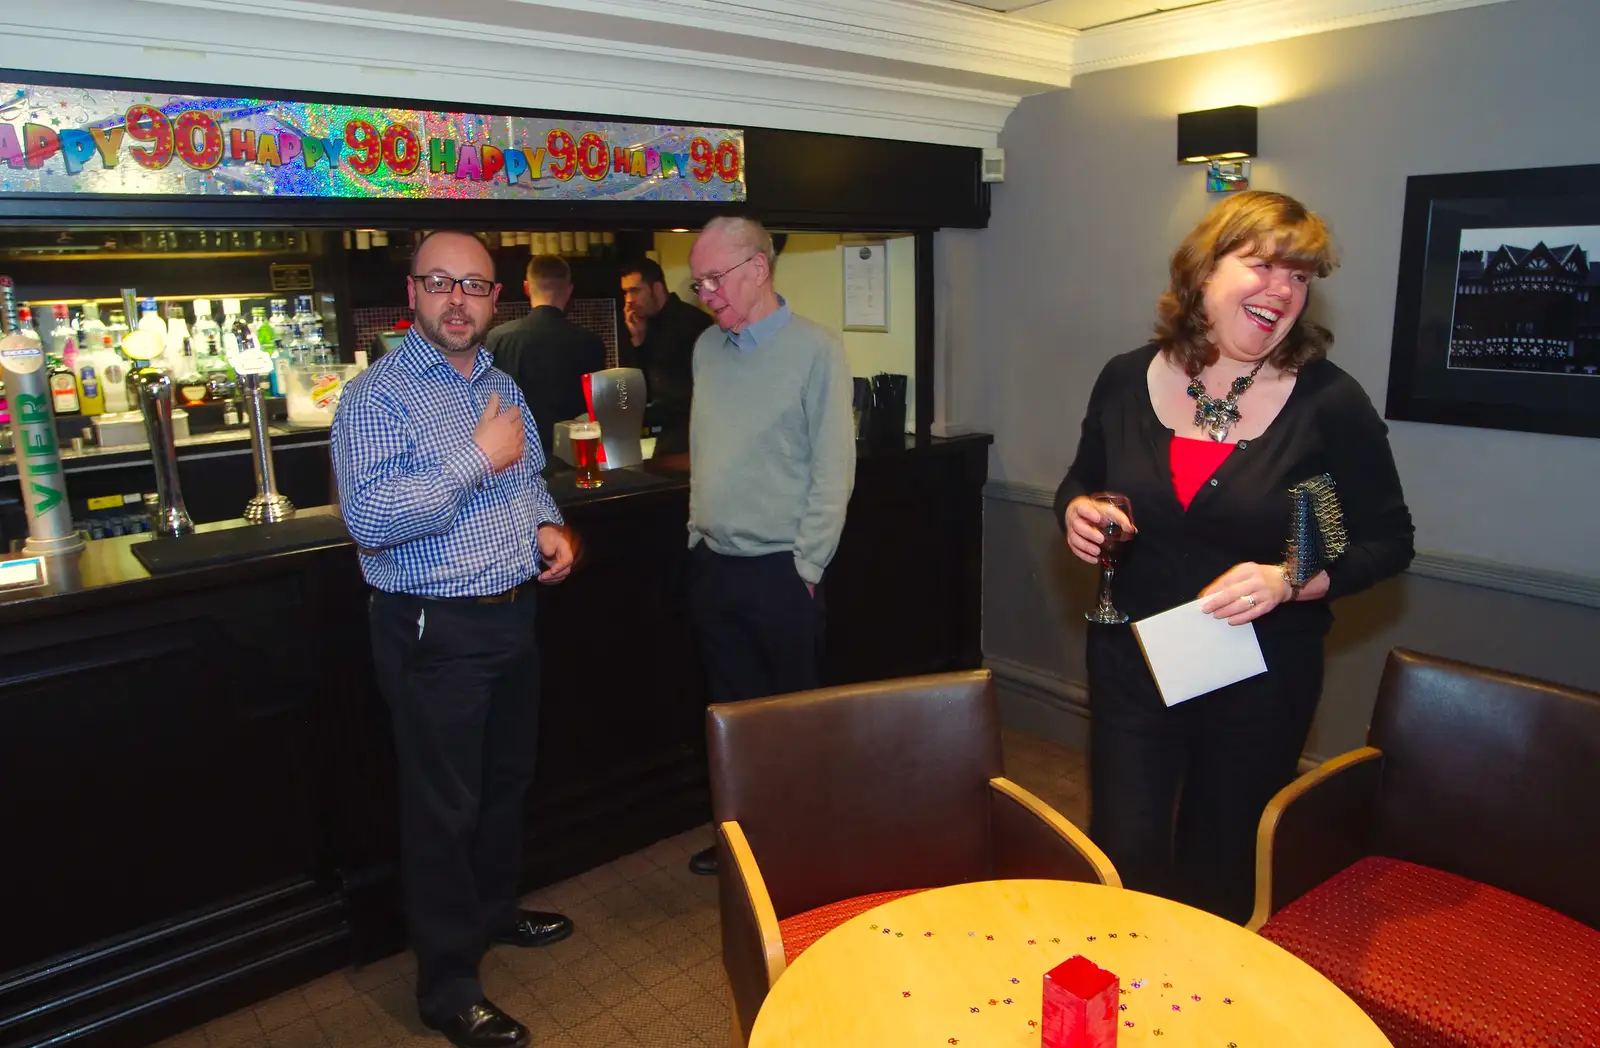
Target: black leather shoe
[(535, 928), (704, 862), (481, 1026)]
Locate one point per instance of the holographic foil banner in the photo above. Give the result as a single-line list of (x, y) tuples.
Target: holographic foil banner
[(65, 140)]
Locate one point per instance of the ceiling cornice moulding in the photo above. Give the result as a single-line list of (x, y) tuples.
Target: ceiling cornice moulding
[(451, 62), (936, 32)]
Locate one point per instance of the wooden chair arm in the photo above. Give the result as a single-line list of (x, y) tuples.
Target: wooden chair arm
[(1314, 827), (752, 943), (748, 875), (1030, 839)]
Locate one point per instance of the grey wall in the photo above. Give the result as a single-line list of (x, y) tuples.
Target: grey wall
[(1071, 265)]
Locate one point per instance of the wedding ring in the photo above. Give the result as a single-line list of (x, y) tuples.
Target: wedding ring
[(1249, 600)]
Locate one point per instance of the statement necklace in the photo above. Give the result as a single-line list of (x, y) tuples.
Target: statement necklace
[(1215, 417)]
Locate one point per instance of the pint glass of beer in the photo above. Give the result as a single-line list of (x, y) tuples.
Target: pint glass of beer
[(585, 437)]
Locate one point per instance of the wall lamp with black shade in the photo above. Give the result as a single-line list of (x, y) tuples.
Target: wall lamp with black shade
[(1222, 139)]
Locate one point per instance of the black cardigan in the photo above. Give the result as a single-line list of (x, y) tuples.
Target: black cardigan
[(1242, 513)]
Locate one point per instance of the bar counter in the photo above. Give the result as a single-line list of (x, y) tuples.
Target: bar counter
[(213, 469), (197, 764)]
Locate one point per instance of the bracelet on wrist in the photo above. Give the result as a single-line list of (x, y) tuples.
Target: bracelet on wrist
[(1294, 590)]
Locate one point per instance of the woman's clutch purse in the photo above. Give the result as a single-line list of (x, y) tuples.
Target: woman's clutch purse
[(1316, 531)]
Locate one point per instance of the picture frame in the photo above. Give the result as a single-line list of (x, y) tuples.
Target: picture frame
[(1497, 306), (866, 285)]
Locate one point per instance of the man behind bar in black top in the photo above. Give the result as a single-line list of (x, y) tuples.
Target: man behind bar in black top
[(546, 353), (662, 329)]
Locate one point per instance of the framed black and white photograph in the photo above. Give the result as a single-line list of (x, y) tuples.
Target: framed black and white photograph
[(1497, 313)]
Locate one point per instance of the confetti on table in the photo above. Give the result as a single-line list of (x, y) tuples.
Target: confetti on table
[(905, 993)]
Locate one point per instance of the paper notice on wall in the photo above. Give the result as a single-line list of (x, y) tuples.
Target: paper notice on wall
[(1191, 653), (866, 286)]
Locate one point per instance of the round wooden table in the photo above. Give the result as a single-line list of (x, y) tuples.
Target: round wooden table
[(965, 965)]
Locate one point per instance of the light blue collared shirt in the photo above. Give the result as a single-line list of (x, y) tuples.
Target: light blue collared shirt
[(755, 334)]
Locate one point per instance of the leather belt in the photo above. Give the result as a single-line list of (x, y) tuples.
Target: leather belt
[(523, 591), (508, 597)]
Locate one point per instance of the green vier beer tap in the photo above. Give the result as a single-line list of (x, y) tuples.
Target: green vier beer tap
[(33, 427)]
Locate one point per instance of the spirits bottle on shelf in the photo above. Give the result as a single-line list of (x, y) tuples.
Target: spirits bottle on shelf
[(231, 321), (61, 356), (113, 373)]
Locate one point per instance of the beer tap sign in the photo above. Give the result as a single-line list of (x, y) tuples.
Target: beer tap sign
[(266, 506), (33, 428)]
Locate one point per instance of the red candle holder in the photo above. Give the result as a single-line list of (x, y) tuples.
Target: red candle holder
[(1080, 1005)]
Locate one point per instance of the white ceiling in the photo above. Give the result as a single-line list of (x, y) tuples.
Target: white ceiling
[(924, 70), (1083, 14)]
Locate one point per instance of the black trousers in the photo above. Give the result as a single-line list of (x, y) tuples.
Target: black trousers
[(462, 683), (1176, 793), (760, 631)]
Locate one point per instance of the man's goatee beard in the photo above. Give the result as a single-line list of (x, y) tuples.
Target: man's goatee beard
[(435, 333)]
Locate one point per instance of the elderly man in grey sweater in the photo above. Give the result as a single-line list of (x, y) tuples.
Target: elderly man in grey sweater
[(773, 458)]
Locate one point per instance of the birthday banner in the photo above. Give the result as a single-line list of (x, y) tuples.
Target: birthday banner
[(67, 140)]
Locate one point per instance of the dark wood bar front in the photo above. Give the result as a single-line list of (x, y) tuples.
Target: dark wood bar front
[(200, 807)]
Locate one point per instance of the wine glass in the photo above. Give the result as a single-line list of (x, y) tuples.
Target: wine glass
[(1114, 537)]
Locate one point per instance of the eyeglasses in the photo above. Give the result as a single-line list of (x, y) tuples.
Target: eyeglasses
[(439, 284), (713, 281)]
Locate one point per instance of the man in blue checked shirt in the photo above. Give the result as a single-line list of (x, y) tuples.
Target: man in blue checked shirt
[(438, 464)]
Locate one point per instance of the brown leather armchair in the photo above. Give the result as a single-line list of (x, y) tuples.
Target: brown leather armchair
[(824, 799), (1447, 875)]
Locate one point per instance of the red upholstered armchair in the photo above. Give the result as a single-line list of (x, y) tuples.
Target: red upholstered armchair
[(829, 802), (1447, 875)]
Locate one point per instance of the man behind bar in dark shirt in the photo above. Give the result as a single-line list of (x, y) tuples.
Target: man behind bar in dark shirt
[(662, 329), (546, 353)]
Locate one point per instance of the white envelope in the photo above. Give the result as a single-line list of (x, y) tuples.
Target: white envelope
[(1191, 653)]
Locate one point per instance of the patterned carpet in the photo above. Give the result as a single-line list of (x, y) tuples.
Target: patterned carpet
[(644, 967)]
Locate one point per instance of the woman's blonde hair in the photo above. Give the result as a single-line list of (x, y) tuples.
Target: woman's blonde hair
[(1275, 227)]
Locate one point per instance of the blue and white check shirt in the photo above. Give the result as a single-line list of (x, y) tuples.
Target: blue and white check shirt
[(416, 491)]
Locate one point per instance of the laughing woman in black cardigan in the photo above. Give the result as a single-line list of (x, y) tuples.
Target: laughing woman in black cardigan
[(1176, 792)]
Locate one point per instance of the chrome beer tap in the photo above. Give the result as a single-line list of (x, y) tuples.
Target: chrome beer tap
[(154, 387), (267, 506)]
